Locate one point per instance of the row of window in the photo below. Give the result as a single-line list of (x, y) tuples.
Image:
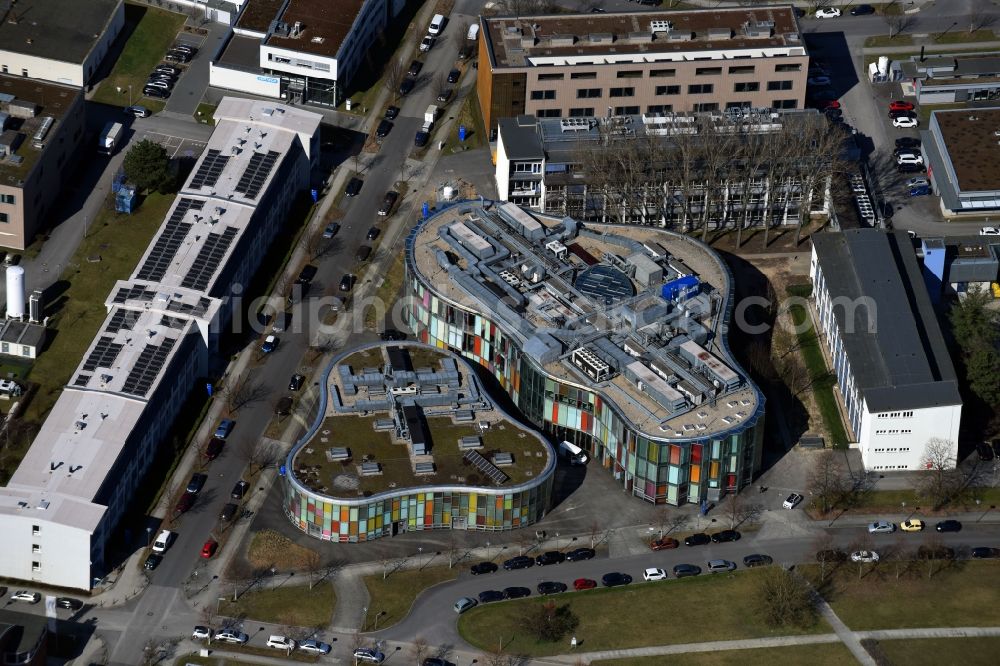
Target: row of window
[(669, 72), (896, 415), (891, 467), (703, 107), (892, 450), (895, 431), (692, 89), (5, 70)]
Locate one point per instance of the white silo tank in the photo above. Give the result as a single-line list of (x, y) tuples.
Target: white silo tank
[(15, 292)]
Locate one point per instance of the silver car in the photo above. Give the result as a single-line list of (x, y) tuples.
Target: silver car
[(881, 527)]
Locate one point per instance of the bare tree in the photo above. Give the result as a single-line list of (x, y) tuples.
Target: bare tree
[(939, 480), (258, 454), (827, 481), (313, 563), (898, 554), (524, 541), (419, 649), (784, 598), (825, 553), (316, 247), (898, 24), (979, 20), (242, 390), (738, 510), (392, 77)]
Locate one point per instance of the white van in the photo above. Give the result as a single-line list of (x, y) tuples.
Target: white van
[(163, 541), (437, 23), (473, 33), (576, 455)]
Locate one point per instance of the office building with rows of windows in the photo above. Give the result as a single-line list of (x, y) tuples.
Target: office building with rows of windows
[(564, 65), (613, 338), (893, 370), (409, 441), (79, 475)]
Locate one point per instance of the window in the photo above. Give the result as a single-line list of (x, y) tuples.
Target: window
[(630, 74), (35, 548), (708, 71), (8, 199), (526, 167), (5, 71), (36, 566), (660, 108), (3, 218), (700, 89), (785, 104), (738, 105), (668, 90), (662, 72), (581, 111), (626, 110), (36, 530), (706, 106), (548, 113), (24, 71), (742, 69), (551, 77), (543, 94), (779, 85), (622, 92), (583, 75), (586, 93), (797, 67), (746, 86)]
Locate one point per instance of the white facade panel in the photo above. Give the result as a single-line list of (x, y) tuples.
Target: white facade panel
[(298, 63), (900, 442), (248, 82), (51, 554), (503, 170)]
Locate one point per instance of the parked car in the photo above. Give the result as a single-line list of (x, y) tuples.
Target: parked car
[(415, 68), (197, 482), (985, 452), (373, 233), (984, 552), (580, 554), (483, 568), (917, 182), (907, 142), (281, 643), (69, 603), (184, 504), (684, 570), (427, 43), (818, 80), (184, 48), (391, 334), (353, 187), (388, 201), (239, 490), (444, 95), (283, 406), (383, 129), (464, 604), (584, 584), (167, 69), (654, 574), (516, 592), (909, 158), (347, 282), (421, 138), (989, 231), (407, 85), (912, 525), (152, 561), (225, 427), (905, 122), (550, 557), (948, 526), (862, 10), (214, 448), (370, 655), (865, 556), (900, 105), (391, 112), (519, 562), (231, 636), (881, 527), (920, 191), (201, 633), (177, 57), (269, 345), (757, 560), (909, 168), (26, 596), (312, 646), (824, 105), (665, 543), (208, 548), (721, 566), (490, 596), (551, 587), (163, 541), (295, 383), (615, 579), (827, 12), (331, 230), (725, 536), (792, 501), (699, 539), (158, 93), (363, 253), (228, 512), (137, 111)]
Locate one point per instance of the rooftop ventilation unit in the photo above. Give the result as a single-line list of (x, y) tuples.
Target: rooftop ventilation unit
[(659, 26), (296, 29), (318, 40), (38, 140), (575, 124)]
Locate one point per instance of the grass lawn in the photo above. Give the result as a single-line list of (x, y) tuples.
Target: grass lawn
[(819, 654), (388, 291), (964, 37), (893, 500), (885, 40), (194, 659), (972, 651), (607, 616), (271, 549), (822, 379), (475, 132), (119, 240), (960, 594), (205, 113), (395, 594), (293, 605), (155, 31)]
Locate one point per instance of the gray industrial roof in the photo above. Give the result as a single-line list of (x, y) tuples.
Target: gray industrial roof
[(64, 30), (899, 361), (520, 138), (22, 333)]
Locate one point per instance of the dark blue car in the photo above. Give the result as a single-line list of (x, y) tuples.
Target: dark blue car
[(920, 190)]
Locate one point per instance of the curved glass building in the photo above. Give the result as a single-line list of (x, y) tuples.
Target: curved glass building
[(610, 337), (408, 440)]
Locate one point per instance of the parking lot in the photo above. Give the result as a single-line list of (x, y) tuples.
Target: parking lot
[(176, 146)]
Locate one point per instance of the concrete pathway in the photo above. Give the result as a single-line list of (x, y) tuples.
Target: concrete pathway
[(846, 636)]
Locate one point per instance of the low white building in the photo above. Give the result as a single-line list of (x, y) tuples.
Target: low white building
[(79, 475), (63, 41), (876, 320), (299, 50)]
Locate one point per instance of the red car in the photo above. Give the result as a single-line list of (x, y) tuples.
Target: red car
[(825, 104), (214, 448), (185, 503), (584, 584), (665, 543), (900, 105), (209, 548)]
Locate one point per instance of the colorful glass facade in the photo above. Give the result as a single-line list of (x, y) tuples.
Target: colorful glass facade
[(674, 472), (409, 509)]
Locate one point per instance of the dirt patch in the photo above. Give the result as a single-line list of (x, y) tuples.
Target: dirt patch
[(270, 549), (779, 239)]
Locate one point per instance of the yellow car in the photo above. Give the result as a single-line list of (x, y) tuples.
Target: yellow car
[(912, 525)]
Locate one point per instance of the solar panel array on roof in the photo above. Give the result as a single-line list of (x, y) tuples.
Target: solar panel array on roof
[(256, 173), (208, 259), (496, 475), (82, 380), (605, 283), (105, 352), (210, 169), (172, 322), (146, 368), (121, 319), (133, 294), (186, 308), (168, 242)]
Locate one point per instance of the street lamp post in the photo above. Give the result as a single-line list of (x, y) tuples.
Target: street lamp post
[(130, 94), (488, 551), (149, 536), (364, 624)]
